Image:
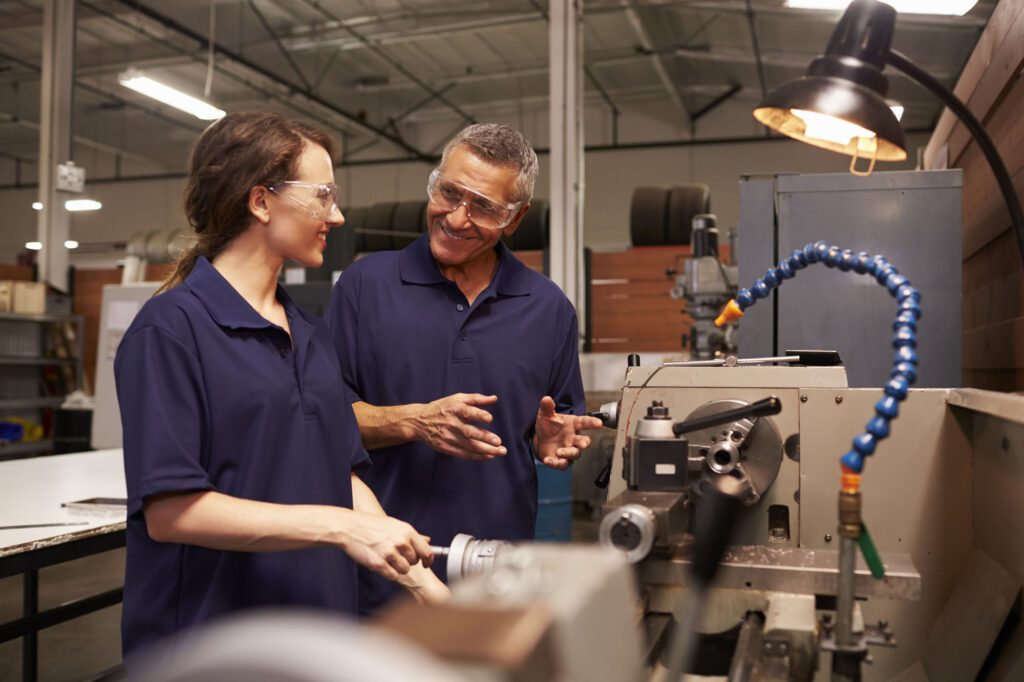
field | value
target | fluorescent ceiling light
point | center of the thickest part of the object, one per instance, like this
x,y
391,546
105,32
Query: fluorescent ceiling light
x,y
82,205
134,80
897,110
37,205
946,7
34,246
71,244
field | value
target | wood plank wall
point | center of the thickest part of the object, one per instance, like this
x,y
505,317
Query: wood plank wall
x,y
993,276
20,273
88,301
631,309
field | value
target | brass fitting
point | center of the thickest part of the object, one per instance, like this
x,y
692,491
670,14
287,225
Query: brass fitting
x,y
849,514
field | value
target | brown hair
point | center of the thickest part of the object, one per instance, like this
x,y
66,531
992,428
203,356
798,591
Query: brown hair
x,y
233,155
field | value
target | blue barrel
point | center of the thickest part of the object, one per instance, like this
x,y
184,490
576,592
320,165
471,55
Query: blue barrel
x,y
554,505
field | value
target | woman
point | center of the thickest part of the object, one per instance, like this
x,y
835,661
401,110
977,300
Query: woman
x,y
240,446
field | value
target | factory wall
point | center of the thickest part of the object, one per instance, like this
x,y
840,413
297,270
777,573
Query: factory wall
x,y
610,176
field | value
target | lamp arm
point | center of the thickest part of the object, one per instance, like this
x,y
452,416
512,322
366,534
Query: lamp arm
x,y
901,62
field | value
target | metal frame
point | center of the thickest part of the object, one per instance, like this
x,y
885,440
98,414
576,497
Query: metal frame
x,y
29,564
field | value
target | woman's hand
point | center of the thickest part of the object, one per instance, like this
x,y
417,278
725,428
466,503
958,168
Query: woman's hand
x,y
383,544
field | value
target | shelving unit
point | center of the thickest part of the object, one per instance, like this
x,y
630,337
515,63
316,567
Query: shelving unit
x,y
28,350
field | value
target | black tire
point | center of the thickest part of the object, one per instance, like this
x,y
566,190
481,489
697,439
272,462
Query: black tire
x,y
532,233
410,216
355,218
378,217
684,202
647,216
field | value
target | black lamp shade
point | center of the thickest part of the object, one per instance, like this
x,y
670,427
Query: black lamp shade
x,y
845,83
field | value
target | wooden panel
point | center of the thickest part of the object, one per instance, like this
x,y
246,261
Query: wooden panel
x,y
532,259
995,379
20,273
158,272
88,287
641,263
646,345
1000,74
999,299
992,305
996,346
1004,18
985,212
631,308
995,261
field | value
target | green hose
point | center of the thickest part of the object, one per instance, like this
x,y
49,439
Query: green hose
x,y
867,548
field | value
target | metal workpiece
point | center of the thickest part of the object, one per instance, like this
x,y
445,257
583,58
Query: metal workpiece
x,y
637,523
470,556
629,529
791,569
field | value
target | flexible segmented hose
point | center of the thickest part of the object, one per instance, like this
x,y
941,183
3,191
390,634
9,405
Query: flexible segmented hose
x,y
904,339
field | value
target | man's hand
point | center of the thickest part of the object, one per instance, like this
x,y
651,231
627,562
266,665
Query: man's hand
x,y
557,439
447,425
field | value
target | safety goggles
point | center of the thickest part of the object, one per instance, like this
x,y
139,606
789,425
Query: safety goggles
x,y
481,210
324,197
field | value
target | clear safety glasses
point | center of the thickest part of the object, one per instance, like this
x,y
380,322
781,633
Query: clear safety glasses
x,y
481,210
323,202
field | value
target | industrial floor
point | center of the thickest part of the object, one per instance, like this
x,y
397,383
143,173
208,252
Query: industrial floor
x,y
87,646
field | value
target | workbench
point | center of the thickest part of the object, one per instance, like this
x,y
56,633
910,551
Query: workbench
x,y
36,532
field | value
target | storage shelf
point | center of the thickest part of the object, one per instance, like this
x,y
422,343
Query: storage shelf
x,y
29,403
12,450
14,360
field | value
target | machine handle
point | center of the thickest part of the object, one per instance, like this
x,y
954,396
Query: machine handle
x,y
715,516
761,408
605,475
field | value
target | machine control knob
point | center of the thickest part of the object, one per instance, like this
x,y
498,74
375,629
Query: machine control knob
x,y
629,529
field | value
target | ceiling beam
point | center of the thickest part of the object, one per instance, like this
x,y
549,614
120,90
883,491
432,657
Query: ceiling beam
x,y
205,43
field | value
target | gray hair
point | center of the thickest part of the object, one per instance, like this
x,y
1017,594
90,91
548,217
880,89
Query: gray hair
x,y
500,145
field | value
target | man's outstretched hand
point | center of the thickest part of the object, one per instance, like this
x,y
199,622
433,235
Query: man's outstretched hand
x,y
557,439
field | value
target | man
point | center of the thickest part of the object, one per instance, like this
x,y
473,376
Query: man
x,y
463,362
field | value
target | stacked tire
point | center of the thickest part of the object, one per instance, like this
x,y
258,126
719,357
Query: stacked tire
x,y
661,216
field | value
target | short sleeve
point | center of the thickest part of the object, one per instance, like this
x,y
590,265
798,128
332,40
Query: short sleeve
x,y
163,406
343,323
566,383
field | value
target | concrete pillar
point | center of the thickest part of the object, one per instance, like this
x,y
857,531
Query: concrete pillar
x,y
55,104
566,143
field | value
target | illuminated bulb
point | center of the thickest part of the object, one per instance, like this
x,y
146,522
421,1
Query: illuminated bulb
x,y
829,128
37,205
33,246
71,244
82,205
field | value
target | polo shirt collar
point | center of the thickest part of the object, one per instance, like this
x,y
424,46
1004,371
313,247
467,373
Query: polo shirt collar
x,y
417,266
226,305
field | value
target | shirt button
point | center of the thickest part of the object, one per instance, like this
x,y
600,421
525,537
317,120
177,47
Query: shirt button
x,y
284,352
462,337
460,307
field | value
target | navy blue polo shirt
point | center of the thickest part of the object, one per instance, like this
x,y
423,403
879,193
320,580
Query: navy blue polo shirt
x,y
405,334
215,397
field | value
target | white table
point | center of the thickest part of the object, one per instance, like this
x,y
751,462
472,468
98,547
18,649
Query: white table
x,y
31,493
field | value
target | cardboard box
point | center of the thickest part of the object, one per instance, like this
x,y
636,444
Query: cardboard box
x,y
29,298
6,295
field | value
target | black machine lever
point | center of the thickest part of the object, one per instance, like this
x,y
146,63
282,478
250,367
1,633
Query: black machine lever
x,y
761,408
